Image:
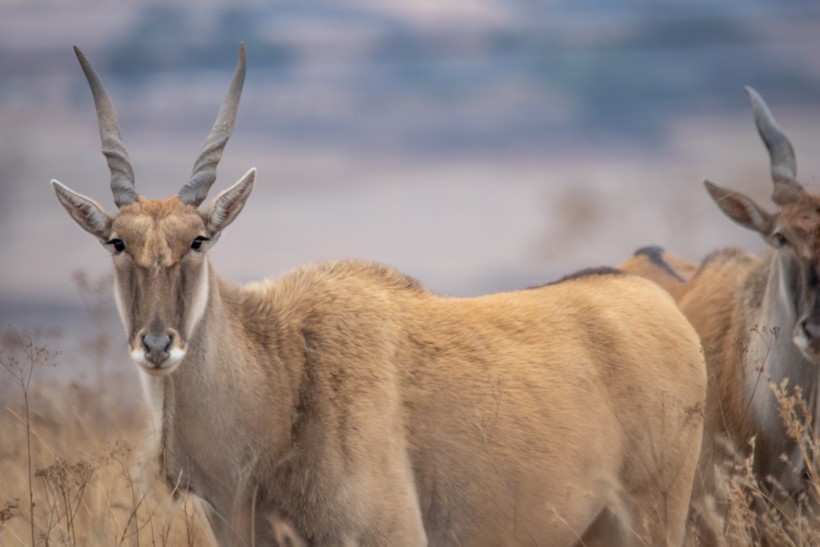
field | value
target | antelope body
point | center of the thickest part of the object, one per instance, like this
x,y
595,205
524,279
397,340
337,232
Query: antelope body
x,y
758,316
345,404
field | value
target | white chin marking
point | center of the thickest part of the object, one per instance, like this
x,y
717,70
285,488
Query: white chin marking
x,y
805,348
170,364
800,341
174,357
138,356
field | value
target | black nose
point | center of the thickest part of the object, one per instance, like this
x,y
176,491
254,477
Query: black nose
x,y
156,347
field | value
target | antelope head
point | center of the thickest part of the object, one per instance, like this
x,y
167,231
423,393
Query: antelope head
x,y
793,231
159,246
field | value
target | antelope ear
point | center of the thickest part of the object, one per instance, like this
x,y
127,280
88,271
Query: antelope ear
x,y
89,214
741,209
226,206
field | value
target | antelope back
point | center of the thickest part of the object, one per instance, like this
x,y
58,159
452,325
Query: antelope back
x,y
669,271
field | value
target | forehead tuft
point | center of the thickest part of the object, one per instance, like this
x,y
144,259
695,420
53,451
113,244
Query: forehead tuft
x,y
158,230
159,210
804,215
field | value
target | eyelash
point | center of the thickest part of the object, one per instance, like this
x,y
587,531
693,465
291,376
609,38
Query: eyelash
x,y
197,243
117,244
779,240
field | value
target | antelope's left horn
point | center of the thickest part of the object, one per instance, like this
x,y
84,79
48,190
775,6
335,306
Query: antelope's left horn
x,y
781,152
204,172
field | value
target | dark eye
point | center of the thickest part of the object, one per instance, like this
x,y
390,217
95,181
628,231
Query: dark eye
x,y
117,244
779,240
197,243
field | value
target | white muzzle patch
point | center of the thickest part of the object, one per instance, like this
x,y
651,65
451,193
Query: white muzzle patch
x,y
175,356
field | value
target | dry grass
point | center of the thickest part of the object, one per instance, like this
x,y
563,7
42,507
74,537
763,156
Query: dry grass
x,y
70,472
758,511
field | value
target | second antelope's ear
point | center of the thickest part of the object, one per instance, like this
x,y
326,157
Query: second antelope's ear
x,y
89,214
227,205
741,209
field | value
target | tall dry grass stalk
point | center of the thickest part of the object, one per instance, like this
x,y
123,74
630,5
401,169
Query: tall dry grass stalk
x,y
89,486
759,511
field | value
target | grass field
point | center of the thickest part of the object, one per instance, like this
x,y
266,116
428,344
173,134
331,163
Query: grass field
x,y
72,471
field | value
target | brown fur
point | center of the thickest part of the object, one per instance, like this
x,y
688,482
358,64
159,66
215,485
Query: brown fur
x,y
714,301
722,301
400,401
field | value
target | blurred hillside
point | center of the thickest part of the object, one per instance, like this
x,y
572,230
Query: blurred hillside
x,y
479,146
432,78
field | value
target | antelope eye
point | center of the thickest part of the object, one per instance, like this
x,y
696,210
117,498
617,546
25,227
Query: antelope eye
x,y
197,243
779,240
117,244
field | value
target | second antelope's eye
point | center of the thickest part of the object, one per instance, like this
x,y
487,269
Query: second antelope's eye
x,y
197,243
117,244
779,240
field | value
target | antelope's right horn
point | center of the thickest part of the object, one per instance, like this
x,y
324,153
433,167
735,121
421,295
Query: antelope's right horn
x,y
122,174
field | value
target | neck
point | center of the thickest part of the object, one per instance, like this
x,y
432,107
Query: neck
x,y
773,318
772,358
214,396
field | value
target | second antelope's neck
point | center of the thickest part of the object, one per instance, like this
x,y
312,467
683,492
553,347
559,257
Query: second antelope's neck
x,y
771,354
771,320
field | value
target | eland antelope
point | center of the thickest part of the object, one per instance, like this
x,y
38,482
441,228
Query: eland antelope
x,y
352,406
758,316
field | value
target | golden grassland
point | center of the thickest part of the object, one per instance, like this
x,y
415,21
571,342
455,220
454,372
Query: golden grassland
x,y
72,471
72,468
757,511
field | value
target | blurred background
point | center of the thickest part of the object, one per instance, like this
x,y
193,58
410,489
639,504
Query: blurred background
x,y
477,145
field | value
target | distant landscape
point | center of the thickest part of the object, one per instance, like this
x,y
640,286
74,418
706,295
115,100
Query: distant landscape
x,y
477,146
